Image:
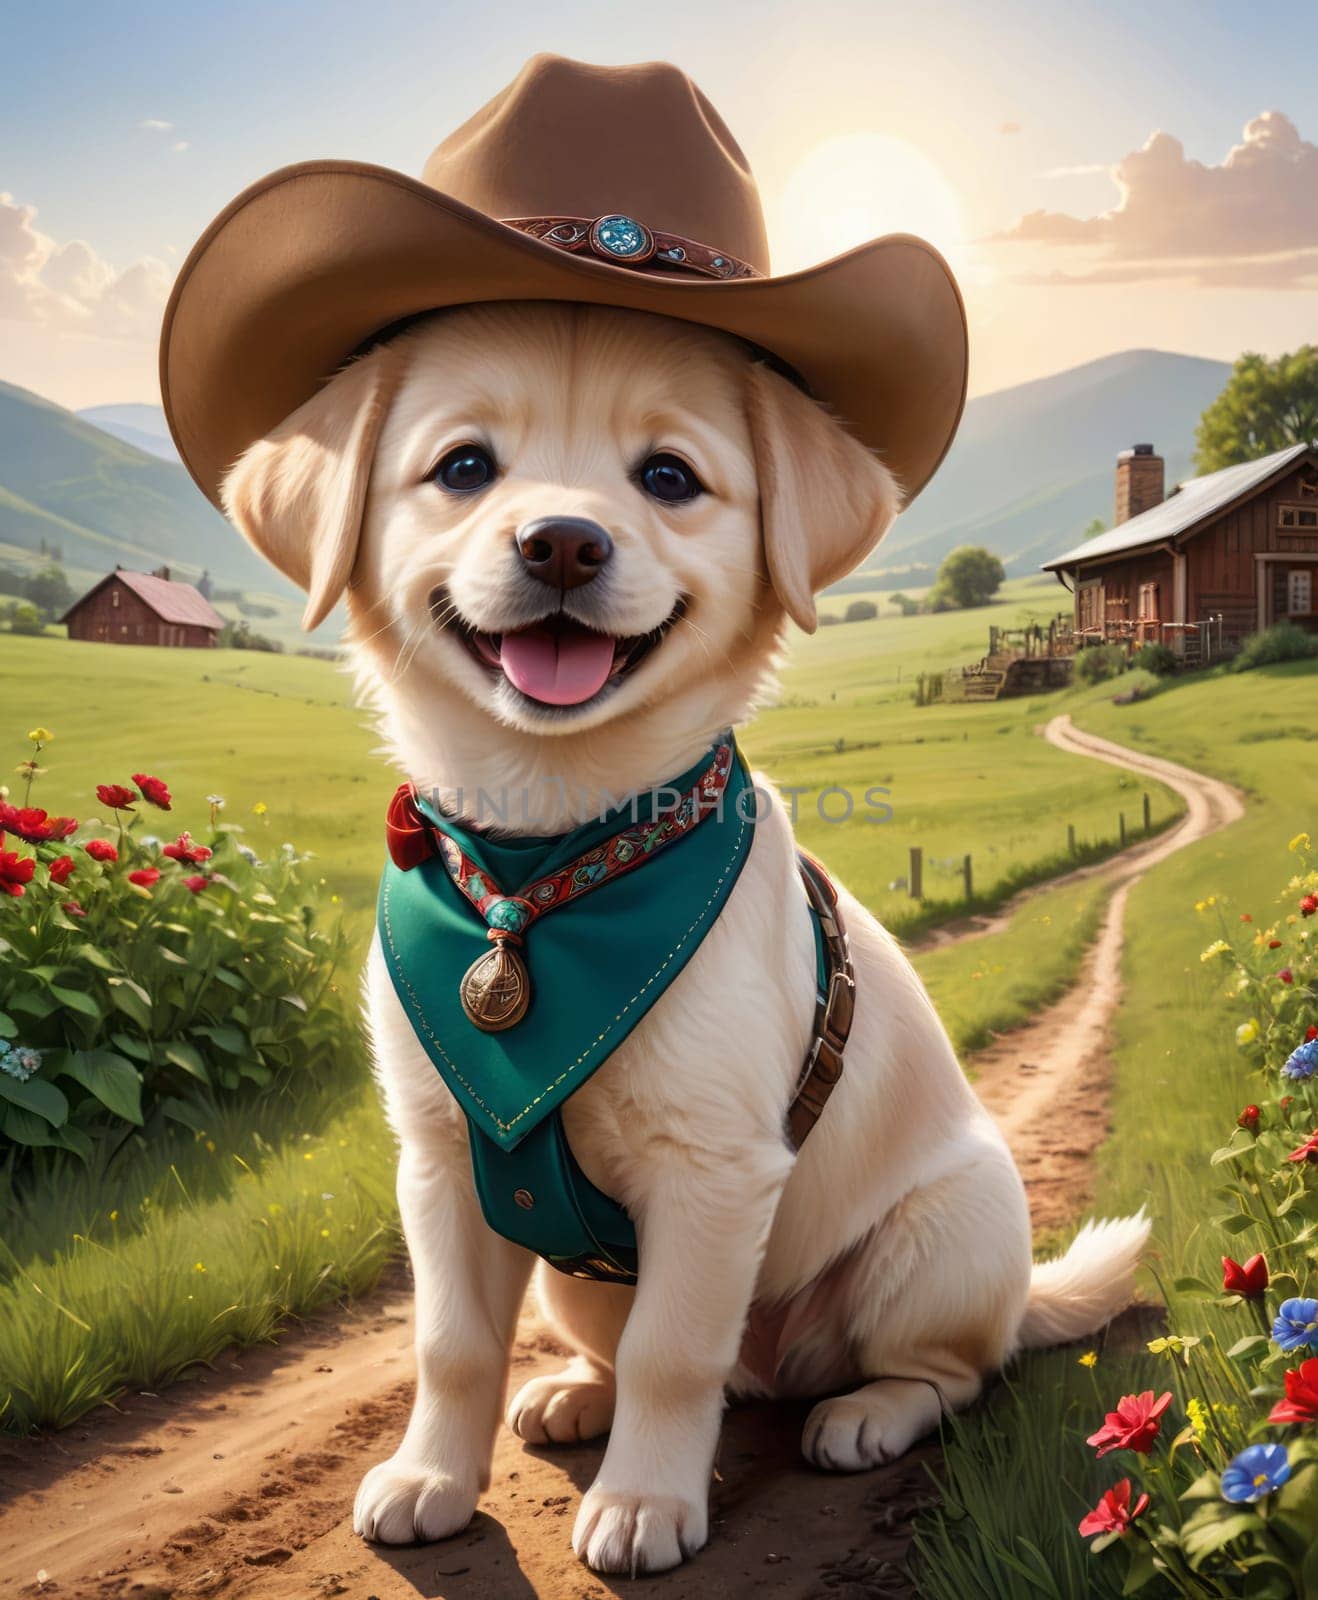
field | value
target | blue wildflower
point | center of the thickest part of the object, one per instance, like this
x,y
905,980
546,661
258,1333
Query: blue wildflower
x,y
1296,1325
1302,1062
19,1061
1258,1470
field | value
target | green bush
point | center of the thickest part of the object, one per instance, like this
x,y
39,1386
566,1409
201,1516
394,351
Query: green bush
x,y
143,981
1283,641
1099,662
861,611
1155,658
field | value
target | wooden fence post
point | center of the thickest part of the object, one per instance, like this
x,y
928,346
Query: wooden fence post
x,y
1121,824
970,881
1070,837
917,872
1148,814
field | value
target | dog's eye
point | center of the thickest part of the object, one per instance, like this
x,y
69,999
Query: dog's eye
x,y
668,478
465,469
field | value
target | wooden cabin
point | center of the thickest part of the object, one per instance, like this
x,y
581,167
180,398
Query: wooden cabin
x,y
1221,557
144,608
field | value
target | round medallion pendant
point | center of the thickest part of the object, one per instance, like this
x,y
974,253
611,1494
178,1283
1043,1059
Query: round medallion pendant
x,y
496,989
621,238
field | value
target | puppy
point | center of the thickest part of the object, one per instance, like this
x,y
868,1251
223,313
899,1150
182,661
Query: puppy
x,y
889,1265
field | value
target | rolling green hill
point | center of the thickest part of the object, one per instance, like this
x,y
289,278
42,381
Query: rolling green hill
x,y
100,501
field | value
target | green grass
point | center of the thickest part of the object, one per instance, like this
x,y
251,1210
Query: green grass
x,y
982,987
1179,1083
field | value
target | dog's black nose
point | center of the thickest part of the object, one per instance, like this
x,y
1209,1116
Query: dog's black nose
x,y
563,552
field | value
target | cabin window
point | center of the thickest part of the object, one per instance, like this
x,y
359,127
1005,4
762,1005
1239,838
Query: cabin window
x,y
114,599
1298,516
1299,592
1148,602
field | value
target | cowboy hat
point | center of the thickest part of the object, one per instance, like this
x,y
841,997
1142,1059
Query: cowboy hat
x,y
614,186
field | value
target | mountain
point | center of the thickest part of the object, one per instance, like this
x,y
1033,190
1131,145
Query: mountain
x,y
142,426
1033,465
99,501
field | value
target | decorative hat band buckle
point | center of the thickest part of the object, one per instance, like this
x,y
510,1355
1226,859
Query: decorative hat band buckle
x,y
622,241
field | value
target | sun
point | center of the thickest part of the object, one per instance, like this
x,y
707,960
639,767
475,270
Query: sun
x,y
859,186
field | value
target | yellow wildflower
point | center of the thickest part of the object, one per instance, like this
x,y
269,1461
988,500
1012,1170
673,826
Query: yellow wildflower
x,y
324,1233
1089,1359
1300,844
1219,947
40,735
1247,1032
198,1266
1194,1410
114,1216
260,808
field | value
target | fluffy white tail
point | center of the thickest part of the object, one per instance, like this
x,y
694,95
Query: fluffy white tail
x,y
1082,1290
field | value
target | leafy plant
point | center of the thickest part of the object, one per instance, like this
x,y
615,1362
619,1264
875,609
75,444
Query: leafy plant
x,y
144,980
1283,641
1099,662
1155,658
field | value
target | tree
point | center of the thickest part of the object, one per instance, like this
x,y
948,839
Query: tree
x,y
1265,406
969,576
905,604
49,591
861,611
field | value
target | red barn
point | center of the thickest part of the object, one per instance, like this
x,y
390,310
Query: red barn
x,y
144,608
1219,558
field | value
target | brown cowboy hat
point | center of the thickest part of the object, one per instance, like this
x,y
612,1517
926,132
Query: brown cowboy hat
x,y
616,186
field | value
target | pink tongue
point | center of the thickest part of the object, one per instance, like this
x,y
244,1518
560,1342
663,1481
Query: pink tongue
x,y
557,668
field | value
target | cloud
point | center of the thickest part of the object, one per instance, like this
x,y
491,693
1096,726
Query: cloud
x,y
1084,170
69,287
155,125
1253,219
181,144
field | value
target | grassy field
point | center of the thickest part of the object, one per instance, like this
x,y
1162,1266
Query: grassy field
x,y
1178,1088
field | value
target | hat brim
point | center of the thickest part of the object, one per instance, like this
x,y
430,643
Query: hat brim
x,y
306,265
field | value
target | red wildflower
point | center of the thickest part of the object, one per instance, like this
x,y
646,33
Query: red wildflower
x,y
1301,1402
153,790
1249,1281
1133,1425
116,796
145,876
1274,944
197,883
1245,917
33,824
74,909
1309,905
1286,1101
1286,975
15,872
183,849
1308,1151
1114,1512
101,850
1249,1118
1311,1032
59,870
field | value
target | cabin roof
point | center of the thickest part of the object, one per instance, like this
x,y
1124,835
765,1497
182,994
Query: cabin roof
x,y
170,600
1192,502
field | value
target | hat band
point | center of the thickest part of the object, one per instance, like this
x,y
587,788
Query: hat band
x,y
622,241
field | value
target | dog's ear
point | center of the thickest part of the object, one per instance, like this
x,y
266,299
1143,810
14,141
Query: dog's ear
x,y
825,500
299,493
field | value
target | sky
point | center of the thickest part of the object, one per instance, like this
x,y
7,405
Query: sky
x,y
1101,176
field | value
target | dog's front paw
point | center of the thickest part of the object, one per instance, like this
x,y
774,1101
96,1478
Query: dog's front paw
x,y
403,1502
636,1533
871,1427
563,1408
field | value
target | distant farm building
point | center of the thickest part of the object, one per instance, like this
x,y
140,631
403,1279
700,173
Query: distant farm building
x,y
1219,558
144,608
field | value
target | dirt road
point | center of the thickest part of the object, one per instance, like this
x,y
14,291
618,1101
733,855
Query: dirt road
x,y
238,1482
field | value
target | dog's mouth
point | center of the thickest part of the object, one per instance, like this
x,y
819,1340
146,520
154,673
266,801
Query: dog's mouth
x,y
556,661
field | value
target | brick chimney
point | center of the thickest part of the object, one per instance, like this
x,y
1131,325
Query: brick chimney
x,y
1140,484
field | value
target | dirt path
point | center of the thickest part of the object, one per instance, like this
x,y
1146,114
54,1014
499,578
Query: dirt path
x,y
237,1483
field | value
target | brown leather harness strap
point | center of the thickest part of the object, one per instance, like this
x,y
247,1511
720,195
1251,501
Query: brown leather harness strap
x,y
833,1014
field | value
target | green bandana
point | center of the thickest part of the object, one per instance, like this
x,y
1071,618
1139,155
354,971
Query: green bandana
x,y
597,963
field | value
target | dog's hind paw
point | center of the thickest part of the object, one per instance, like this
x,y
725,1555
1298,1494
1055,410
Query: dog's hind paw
x,y
564,1407
636,1533
871,1427
402,1502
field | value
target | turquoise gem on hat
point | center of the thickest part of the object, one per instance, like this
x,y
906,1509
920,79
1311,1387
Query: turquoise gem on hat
x,y
621,236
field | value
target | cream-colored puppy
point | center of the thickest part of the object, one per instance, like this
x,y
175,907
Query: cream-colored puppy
x,y
892,1258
